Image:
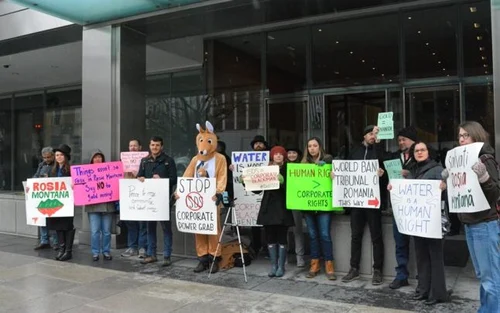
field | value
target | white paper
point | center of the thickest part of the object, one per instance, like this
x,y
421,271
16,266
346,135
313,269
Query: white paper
x,y
261,178
145,201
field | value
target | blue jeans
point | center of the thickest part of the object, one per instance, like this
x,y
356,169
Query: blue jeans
x,y
167,238
402,252
318,226
100,223
137,234
44,236
483,240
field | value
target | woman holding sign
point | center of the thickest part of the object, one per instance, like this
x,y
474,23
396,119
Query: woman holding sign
x,y
318,223
482,229
428,251
62,225
275,218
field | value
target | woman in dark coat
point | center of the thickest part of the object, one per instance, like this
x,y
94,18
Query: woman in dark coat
x,y
62,225
275,218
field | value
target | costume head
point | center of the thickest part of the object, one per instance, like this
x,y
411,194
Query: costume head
x,y
206,142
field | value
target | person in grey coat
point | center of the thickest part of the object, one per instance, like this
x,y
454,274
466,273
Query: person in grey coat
x,y
100,220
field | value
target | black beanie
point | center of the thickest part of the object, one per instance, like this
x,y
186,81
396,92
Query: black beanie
x,y
409,132
368,129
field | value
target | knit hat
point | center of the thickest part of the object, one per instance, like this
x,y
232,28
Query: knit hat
x,y
277,149
368,129
409,132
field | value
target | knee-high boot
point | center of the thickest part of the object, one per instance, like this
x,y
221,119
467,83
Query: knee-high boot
x,y
62,244
281,261
69,238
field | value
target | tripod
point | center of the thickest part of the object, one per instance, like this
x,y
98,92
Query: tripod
x,y
234,223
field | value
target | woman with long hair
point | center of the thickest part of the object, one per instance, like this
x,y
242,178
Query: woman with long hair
x,y
482,229
318,222
63,226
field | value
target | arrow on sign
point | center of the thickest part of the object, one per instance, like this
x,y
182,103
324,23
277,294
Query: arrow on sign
x,y
35,219
373,202
316,184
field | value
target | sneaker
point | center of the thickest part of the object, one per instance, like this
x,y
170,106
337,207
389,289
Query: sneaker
x,y
142,253
107,257
300,261
129,252
398,283
377,278
149,259
352,275
166,262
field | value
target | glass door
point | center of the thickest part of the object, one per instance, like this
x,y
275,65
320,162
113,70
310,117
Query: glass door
x,y
435,113
287,122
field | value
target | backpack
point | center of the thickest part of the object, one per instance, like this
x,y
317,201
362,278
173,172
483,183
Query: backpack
x,y
484,158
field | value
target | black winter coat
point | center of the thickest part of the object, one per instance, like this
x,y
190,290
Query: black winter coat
x,y
273,206
60,223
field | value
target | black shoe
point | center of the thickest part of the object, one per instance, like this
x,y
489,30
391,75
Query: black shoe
x,y
215,267
200,267
166,262
433,302
398,283
352,275
377,278
68,255
55,247
107,257
95,258
419,297
60,253
42,246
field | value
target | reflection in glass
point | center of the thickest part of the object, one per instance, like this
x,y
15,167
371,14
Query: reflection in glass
x,y
477,45
286,121
356,52
479,107
430,43
5,144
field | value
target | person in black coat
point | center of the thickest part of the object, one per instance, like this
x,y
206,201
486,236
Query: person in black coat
x,y
62,225
221,148
275,218
295,156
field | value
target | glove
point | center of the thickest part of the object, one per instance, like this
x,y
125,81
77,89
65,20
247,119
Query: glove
x,y
281,179
445,174
320,163
480,169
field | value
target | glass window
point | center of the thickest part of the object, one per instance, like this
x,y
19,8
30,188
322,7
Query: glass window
x,y
477,45
286,60
341,57
5,144
430,42
479,107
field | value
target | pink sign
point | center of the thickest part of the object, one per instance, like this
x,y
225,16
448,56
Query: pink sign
x,y
96,183
132,160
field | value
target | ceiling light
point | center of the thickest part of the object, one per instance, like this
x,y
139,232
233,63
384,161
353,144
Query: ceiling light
x,y
270,37
483,58
481,48
320,30
409,17
390,80
439,62
433,53
479,37
337,42
419,32
473,9
363,61
337,73
486,72
290,48
382,74
426,43
373,68
485,65
351,52
444,69
477,25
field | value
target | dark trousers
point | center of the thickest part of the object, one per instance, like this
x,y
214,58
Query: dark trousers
x,y
430,267
276,234
359,218
257,234
402,252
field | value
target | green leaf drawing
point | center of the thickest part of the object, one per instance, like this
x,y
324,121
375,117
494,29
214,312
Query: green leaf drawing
x,y
49,204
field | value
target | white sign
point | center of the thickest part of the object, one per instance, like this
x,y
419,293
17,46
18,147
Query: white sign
x,y
261,178
416,205
195,210
48,197
132,160
464,191
356,184
144,201
247,203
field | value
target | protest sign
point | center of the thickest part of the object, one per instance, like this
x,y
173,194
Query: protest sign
x,y
416,205
132,160
195,210
144,201
309,187
464,191
261,178
48,197
247,203
385,124
96,183
393,168
356,184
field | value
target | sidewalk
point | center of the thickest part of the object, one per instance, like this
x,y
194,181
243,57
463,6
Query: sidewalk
x,y
31,281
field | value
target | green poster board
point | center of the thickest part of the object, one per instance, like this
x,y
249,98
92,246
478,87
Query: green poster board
x,y
393,168
386,125
309,187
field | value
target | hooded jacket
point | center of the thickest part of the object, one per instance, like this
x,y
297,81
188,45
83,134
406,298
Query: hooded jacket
x,y
107,207
491,190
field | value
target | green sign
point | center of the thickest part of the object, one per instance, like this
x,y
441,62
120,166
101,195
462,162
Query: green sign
x,y
309,187
386,125
393,168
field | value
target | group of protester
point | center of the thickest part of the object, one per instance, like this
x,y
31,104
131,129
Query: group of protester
x,y
418,161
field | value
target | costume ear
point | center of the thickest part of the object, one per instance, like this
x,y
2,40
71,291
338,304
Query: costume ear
x,y
198,127
209,126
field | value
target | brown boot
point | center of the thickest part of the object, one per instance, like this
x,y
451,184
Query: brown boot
x,y
330,271
314,270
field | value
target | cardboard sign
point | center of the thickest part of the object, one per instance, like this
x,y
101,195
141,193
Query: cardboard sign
x,y
247,203
309,187
416,205
464,190
144,201
96,183
385,124
261,178
356,184
132,160
393,169
48,197
195,211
